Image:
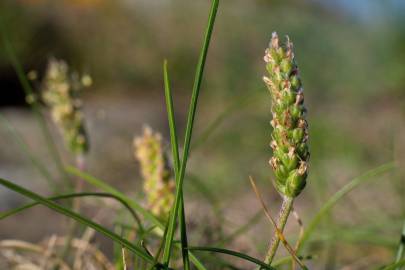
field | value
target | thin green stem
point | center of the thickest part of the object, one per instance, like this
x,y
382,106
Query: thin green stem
x,y
189,129
176,161
285,210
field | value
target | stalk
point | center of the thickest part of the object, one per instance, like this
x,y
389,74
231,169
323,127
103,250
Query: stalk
x,y
285,210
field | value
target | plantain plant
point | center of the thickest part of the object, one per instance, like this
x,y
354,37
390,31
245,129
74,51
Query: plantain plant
x,y
290,129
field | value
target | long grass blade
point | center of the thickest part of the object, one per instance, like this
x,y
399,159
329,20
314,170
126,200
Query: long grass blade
x,y
74,195
98,183
85,221
176,161
189,130
235,254
339,195
107,188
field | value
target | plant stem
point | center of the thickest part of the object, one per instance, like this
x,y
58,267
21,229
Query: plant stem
x,y
281,222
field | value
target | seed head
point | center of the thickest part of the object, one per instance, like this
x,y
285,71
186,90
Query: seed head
x,y
61,92
290,129
159,184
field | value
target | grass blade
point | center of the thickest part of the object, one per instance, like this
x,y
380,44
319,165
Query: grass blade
x,y
85,221
235,254
107,188
189,129
147,215
74,195
340,194
176,161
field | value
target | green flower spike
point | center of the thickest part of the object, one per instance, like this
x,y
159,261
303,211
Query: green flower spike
x,y
290,129
61,92
159,184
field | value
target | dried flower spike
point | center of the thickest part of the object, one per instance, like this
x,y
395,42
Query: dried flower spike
x,y
159,184
61,92
290,129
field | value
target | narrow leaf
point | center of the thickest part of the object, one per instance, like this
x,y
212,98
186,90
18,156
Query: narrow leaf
x,y
189,130
83,220
235,254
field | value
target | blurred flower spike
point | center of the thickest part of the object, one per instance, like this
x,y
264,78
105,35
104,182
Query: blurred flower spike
x,y
159,184
61,92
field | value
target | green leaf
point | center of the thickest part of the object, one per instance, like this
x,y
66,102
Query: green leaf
x,y
83,220
147,215
74,195
235,254
176,161
189,130
107,188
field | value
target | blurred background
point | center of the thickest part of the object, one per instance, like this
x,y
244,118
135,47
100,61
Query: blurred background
x,y
351,56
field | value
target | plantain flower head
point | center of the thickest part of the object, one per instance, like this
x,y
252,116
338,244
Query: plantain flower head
x,y
158,184
290,129
61,92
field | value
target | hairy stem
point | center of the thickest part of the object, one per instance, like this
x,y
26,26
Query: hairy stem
x,y
285,210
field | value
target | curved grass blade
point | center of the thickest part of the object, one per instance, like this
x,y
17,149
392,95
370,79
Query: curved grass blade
x,y
189,130
176,161
235,254
75,195
107,188
64,211
340,194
